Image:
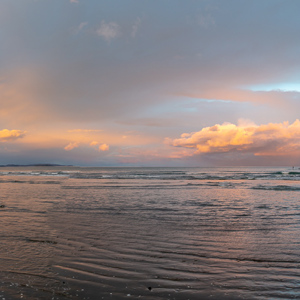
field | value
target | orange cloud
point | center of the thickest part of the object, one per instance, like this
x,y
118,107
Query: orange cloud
x,y
11,135
268,139
85,130
93,143
104,147
71,146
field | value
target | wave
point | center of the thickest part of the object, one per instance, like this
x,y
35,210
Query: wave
x,y
276,188
162,176
36,173
31,181
130,187
294,173
188,174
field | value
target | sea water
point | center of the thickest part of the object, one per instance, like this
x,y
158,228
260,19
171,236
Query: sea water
x,y
149,233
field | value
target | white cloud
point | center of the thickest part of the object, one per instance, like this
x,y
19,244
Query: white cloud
x,y
135,27
74,1
109,30
205,20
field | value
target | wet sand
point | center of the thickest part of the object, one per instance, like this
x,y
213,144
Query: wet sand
x,y
79,289
149,234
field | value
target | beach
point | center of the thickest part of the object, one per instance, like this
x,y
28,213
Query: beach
x,y
149,233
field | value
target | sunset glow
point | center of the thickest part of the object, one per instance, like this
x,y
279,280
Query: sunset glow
x,y
269,139
155,84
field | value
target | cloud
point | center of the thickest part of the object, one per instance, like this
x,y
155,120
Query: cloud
x,y
81,25
135,27
104,147
109,30
11,135
94,143
71,146
275,98
271,139
71,80
205,20
85,130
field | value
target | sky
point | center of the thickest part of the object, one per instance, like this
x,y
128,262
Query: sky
x,y
150,83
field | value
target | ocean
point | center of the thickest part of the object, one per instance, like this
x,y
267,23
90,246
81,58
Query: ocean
x,y
149,233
